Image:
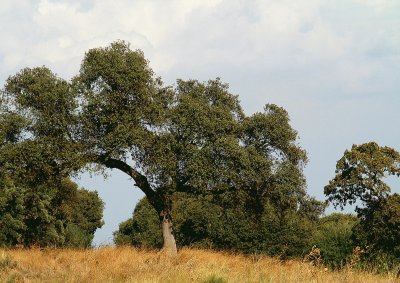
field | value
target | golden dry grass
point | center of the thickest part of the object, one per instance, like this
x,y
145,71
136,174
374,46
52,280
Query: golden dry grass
x,y
124,264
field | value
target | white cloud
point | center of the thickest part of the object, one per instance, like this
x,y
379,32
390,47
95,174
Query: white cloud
x,y
269,35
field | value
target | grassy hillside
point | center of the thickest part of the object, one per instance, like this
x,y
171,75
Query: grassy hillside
x,y
110,264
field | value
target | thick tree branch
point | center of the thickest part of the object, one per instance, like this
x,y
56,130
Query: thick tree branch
x,y
140,180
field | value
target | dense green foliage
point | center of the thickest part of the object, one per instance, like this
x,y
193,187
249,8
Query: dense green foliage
x,y
360,173
334,237
48,215
359,177
237,225
192,138
199,222
38,204
143,230
379,233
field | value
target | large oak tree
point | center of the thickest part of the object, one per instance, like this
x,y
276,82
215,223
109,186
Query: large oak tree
x,y
192,138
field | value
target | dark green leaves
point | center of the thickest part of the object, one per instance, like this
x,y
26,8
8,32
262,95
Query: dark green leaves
x,y
359,177
48,215
44,99
191,138
359,174
120,98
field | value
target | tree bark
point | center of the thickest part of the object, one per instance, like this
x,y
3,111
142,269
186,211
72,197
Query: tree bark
x,y
140,180
155,200
169,246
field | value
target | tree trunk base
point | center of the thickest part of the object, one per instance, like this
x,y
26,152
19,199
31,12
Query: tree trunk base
x,y
169,247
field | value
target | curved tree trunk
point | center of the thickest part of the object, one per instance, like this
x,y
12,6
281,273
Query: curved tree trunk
x,y
155,200
169,246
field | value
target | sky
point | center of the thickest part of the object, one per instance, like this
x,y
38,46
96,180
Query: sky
x,y
333,65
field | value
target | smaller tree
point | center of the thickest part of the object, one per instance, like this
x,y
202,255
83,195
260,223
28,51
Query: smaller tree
x,y
360,173
48,215
359,176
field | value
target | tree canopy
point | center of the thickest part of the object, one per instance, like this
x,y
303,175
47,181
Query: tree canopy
x,y
360,173
115,113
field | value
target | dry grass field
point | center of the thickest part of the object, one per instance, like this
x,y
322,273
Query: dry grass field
x,y
110,264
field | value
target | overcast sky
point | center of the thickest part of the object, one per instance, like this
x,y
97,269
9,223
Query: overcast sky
x,y
334,65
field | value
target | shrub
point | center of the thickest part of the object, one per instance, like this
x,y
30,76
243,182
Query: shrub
x,y
334,238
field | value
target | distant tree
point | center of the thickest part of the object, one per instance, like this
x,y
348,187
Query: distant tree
x,y
360,173
193,138
359,177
